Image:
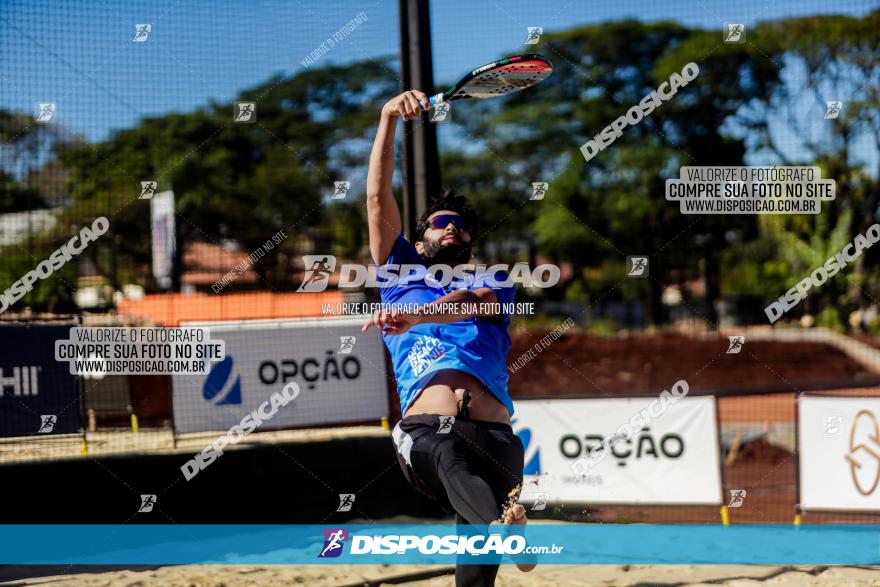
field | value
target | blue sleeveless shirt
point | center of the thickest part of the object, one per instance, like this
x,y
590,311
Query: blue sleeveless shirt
x,y
477,346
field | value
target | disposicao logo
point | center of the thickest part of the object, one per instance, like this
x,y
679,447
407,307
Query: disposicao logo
x,y
533,453
334,540
219,386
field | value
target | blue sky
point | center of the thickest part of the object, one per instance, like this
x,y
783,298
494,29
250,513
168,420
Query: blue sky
x,y
81,55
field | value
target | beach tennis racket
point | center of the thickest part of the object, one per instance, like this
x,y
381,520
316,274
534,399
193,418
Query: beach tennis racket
x,y
509,75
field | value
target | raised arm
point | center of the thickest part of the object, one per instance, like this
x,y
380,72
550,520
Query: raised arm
x,y
383,215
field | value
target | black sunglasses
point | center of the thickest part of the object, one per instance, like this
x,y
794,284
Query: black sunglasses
x,y
443,220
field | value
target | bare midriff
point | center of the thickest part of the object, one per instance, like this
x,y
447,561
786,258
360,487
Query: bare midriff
x,y
444,391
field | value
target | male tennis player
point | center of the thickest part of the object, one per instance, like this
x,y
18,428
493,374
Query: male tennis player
x,y
454,443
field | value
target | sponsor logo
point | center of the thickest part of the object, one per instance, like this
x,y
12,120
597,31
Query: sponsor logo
x,y
864,452
340,189
311,369
318,269
442,112
534,35
334,541
45,112
737,497
23,381
540,501
148,190
245,112
637,267
735,33
471,544
220,387
141,33
736,344
425,351
346,500
346,345
476,72
833,424
532,461
833,108
620,443
47,423
500,543
446,423
147,503
539,190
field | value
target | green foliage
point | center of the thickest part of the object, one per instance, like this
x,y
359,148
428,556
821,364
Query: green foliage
x,y
15,197
576,291
604,328
830,317
237,182
54,294
244,182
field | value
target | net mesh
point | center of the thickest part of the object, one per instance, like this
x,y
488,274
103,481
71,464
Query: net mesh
x,y
223,143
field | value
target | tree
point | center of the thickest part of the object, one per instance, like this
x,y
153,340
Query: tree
x,y
826,59
613,206
233,182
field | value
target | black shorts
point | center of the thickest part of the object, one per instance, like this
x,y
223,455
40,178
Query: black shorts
x,y
492,451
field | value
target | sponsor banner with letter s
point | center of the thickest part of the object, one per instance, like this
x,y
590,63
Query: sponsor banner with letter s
x,y
839,444
673,460
340,372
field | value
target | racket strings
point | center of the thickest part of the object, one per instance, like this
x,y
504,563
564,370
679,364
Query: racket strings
x,y
504,79
512,80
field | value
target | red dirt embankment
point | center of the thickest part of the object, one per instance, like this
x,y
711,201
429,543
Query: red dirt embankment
x,y
576,364
580,365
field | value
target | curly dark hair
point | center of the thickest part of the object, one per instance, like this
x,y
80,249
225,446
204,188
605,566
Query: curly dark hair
x,y
451,201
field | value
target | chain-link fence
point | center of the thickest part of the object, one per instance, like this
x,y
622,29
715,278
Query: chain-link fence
x,y
179,165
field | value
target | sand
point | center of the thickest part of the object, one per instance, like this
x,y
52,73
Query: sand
x,y
161,441
545,576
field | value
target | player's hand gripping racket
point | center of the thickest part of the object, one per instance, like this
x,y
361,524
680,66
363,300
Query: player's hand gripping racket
x,y
500,78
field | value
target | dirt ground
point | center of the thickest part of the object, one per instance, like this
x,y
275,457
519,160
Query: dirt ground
x,y
581,365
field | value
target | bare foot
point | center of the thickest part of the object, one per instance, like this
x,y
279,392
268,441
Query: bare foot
x,y
515,515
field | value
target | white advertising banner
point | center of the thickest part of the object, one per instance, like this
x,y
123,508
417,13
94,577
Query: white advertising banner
x,y
672,460
839,444
163,236
339,369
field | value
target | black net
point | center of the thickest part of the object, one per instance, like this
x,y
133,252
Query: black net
x,y
189,164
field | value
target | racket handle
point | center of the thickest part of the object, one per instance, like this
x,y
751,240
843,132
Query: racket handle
x,y
434,99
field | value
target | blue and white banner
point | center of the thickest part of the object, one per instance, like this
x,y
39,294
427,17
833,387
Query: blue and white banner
x,y
673,459
177,544
340,372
